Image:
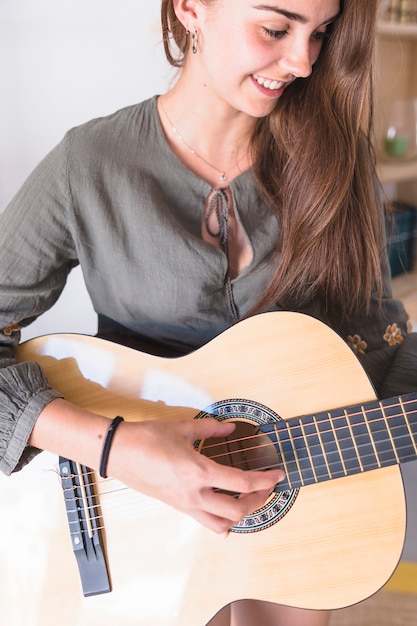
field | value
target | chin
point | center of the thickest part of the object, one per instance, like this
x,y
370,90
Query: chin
x,y
261,110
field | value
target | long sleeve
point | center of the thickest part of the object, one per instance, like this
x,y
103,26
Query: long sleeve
x,y
24,392
34,263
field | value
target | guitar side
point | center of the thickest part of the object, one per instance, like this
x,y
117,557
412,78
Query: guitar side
x,y
338,543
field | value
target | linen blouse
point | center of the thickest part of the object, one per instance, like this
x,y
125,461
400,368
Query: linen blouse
x,y
114,198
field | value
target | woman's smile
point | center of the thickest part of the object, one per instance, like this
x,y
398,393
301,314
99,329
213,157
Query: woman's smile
x,y
270,87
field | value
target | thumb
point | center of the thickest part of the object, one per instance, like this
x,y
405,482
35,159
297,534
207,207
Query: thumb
x,y
210,427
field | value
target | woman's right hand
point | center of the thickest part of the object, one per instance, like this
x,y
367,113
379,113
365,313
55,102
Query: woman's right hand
x,y
159,459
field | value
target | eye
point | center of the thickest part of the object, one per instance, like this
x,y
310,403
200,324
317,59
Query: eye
x,y
274,34
321,35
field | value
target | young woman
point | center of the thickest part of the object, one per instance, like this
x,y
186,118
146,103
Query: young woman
x,y
249,186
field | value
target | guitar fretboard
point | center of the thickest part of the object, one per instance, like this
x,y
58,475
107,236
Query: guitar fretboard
x,y
338,443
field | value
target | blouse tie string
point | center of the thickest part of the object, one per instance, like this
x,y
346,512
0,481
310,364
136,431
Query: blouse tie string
x,y
219,205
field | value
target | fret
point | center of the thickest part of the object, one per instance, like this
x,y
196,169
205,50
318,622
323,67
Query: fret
x,y
389,430
276,433
322,447
344,437
313,470
375,451
342,461
379,433
354,440
401,419
410,415
365,444
303,452
411,402
295,453
286,456
333,456
316,450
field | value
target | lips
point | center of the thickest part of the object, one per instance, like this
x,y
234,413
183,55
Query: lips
x,y
268,83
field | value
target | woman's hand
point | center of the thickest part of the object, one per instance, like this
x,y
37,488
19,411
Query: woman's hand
x,y
159,460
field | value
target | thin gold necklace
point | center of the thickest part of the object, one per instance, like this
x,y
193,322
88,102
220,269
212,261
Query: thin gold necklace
x,y
222,173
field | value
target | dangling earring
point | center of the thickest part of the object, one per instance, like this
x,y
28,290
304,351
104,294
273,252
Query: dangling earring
x,y
194,38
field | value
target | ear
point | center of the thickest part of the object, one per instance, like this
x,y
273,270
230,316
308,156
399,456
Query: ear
x,y
187,12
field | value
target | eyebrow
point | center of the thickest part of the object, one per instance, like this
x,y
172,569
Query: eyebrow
x,y
295,17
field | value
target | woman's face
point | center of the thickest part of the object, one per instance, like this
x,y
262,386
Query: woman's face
x,y
250,50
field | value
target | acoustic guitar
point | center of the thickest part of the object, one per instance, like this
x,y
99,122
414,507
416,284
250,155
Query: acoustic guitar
x,y
76,549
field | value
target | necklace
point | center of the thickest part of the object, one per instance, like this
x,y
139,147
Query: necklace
x,y
222,173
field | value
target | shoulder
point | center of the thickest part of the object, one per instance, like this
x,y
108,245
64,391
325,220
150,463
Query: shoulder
x,y
121,132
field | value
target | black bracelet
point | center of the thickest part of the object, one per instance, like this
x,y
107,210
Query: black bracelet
x,y
107,443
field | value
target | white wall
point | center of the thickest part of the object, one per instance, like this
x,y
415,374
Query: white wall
x,y
63,62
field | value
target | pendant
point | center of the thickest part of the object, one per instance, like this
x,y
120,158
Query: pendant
x,y
223,177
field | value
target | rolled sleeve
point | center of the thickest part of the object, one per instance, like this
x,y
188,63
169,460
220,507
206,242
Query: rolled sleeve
x,y
24,392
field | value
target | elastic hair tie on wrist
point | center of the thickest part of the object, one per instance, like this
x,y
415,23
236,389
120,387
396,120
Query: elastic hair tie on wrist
x,y
107,444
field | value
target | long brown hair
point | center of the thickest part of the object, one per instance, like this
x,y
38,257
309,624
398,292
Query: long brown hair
x,y
314,164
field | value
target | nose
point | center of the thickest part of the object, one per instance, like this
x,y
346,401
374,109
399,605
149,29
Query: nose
x,y
297,60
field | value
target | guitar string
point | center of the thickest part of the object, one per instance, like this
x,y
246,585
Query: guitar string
x,y
318,467
308,436
123,488
94,510
370,453
363,412
95,515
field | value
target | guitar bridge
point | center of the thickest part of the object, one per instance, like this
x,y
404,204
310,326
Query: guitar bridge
x,y
83,515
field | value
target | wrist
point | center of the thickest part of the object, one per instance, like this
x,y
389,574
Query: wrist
x,y
70,431
108,440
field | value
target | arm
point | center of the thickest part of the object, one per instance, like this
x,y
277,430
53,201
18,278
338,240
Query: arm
x,y
24,392
159,460
35,258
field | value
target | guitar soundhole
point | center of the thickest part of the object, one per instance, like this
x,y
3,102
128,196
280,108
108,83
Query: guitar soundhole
x,y
246,448
250,449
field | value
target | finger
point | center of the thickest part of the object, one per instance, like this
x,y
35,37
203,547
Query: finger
x,y
210,427
219,522
239,481
231,508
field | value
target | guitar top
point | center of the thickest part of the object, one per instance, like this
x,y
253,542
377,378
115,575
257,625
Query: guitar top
x,y
325,539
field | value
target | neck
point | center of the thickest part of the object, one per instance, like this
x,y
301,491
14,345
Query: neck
x,y
213,141
317,448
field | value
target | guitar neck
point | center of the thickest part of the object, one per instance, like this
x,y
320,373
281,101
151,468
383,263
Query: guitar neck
x,y
342,442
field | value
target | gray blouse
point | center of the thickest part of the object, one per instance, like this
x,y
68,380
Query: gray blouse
x,y
114,198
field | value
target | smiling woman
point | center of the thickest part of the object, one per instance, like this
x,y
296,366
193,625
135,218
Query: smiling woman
x,y
329,105
248,187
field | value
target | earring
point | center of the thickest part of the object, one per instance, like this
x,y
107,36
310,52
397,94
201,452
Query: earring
x,y
194,38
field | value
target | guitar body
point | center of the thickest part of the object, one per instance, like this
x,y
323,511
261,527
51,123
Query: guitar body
x,y
337,544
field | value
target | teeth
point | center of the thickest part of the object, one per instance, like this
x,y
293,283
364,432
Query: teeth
x,y
267,83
